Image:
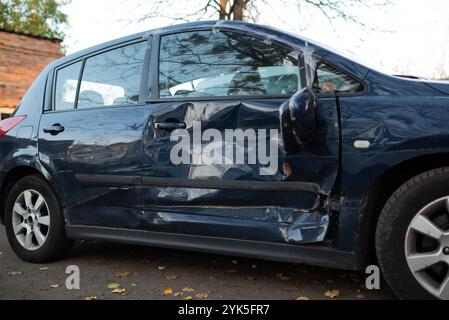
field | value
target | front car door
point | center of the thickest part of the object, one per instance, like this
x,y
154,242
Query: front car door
x,y
213,157
93,128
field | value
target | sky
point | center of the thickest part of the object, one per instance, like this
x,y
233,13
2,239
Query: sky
x,y
408,37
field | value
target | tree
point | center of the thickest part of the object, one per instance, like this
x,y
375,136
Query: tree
x,y
42,18
248,9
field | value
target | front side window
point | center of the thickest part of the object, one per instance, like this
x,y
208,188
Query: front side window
x,y
66,85
208,64
332,80
113,77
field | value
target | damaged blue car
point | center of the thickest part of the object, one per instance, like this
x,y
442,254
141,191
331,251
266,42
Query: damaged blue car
x,y
236,139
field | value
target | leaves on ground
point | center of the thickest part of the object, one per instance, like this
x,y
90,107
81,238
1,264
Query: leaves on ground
x,y
171,277
188,298
54,286
161,268
332,294
178,294
281,276
90,298
113,285
15,273
235,262
254,266
167,292
302,298
122,274
187,289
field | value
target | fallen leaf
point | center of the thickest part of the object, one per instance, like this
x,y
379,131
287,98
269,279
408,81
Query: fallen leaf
x,y
90,298
187,289
122,274
179,294
119,291
133,285
171,277
1,253
188,298
43,269
54,286
15,273
282,277
235,262
162,268
303,298
332,293
113,285
254,266
231,271
202,295
168,292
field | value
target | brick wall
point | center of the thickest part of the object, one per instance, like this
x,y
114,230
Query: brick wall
x,y
22,58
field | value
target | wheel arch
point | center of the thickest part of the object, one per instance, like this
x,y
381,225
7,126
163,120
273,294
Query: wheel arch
x,y
10,179
381,190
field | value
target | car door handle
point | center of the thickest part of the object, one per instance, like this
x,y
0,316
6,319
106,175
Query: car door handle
x,y
54,129
170,125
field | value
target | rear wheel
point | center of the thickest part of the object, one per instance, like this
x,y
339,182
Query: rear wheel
x,y
34,221
412,237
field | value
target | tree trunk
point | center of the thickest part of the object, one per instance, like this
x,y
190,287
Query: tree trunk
x,y
223,7
239,10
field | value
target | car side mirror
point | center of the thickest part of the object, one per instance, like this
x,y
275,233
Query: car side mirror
x,y
298,117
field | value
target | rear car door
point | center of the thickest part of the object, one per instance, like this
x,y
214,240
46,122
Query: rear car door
x,y
213,160
93,127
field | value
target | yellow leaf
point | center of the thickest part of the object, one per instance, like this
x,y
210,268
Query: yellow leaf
x,y
179,294
332,293
282,277
90,298
54,286
171,277
162,268
15,273
43,269
118,291
168,291
113,285
303,298
122,274
187,289
202,295
188,298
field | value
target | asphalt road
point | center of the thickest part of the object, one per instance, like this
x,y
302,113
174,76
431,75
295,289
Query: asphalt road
x,y
145,273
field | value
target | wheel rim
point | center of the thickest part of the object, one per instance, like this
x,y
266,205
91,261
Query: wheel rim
x,y
427,248
31,220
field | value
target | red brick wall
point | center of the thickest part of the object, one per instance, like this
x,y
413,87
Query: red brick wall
x,y
22,58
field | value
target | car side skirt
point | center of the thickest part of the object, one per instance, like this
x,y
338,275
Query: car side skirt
x,y
317,255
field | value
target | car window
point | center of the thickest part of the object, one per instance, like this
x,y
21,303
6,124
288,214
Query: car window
x,y
66,85
113,77
204,63
332,80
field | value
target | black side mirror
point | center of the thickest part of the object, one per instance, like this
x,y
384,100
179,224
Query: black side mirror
x,y
298,118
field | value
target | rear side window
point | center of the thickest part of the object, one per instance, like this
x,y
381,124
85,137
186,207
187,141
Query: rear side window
x,y
331,80
205,64
113,77
66,86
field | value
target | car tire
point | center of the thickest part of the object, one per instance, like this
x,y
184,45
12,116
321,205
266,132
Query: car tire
x,y
35,222
403,238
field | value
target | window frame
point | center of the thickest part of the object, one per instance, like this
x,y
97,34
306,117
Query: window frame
x,y
154,96
49,106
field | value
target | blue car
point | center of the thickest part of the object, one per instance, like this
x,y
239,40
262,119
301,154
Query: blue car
x,y
236,139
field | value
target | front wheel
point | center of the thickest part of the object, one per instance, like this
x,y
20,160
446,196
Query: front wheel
x,y
34,221
412,237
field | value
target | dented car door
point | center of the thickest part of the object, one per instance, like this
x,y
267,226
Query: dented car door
x,y
214,160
